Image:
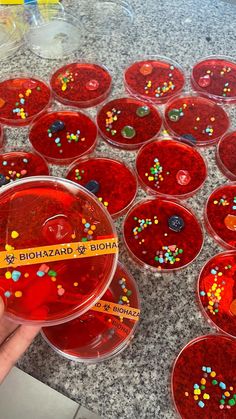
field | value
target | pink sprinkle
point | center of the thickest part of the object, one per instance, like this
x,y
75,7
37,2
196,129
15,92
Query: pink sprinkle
x,y
172,247
44,268
23,172
61,291
221,406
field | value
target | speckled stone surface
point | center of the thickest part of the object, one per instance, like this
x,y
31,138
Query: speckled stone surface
x,y
136,384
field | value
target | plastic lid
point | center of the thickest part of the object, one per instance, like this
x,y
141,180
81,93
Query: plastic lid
x,y
22,98
203,378
10,33
196,119
128,123
104,331
58,250
217,291
81,84
158,233
215,77
154,79
220,215
19,164
170,167
106,178
226,155
63,136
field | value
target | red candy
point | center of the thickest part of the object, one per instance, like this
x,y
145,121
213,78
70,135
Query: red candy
x,y
121,115
226,155
81,84
78,136
153,239
196,118
220,215
154,80
203,378
170,167
96,335
215,77
117,183
217,291
22,99
50,212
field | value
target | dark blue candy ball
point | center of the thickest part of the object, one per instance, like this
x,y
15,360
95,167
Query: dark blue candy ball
x,y
176,223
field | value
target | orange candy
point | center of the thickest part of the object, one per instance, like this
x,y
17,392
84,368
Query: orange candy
x,y
230,222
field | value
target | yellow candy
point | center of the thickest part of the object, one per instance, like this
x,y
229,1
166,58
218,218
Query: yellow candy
x,y
8,275
64,87
8,247
213,374
206,396
14,234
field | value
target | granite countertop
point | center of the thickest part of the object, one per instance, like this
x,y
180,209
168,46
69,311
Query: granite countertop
x,y
136,384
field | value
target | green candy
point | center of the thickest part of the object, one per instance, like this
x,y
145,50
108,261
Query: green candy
x,y
222,401
174,115
214,382
128,132
129,292
231,402
143,111
52,273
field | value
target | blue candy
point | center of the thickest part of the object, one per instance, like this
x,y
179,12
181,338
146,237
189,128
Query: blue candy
x,y
16,275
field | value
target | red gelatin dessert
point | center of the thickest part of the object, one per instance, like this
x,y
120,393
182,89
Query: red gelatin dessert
x,y
22,99
217,291
58,250
204,380
226,155
220,215
106,179
19,164
215,77
169,167
81,84
154,80
63,136
172,225
128,123
196,119
98,334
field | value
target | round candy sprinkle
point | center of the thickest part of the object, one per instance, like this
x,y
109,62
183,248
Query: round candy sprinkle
x,y
176,223
92,85
128,132
174,115
183,177
204,81
143,111
92,186
146,69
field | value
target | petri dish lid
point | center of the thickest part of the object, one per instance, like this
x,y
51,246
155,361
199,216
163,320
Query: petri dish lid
x,y
11,37
58,250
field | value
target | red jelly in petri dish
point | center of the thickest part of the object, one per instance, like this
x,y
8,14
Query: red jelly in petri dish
x,y
154,79
113,183
81,84
22,99
128,123
63,136
217,291
196,119
170,167
226,155
99,335
19,164
58,250
204,380
220,215
215,77
158,232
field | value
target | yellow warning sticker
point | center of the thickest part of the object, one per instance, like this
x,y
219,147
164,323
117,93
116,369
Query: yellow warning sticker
x,y
117,310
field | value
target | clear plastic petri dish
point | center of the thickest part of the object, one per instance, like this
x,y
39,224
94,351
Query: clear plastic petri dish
x,y
220,215
154,79
22,98
81,84
217,292
106,330
58,250
106,177
11,37
170,167
16,165
64,135
203,380
226,155
52,33
157,233
196,118
215,77
128,123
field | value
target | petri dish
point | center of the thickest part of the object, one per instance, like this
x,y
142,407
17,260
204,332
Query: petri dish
x,y
226,155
